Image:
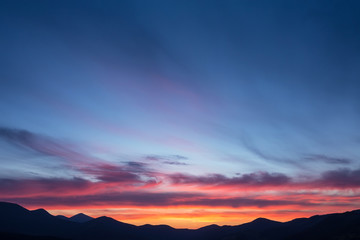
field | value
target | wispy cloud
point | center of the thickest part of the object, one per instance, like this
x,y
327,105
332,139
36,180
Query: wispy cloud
x,y
32,142
141,183
327,159
168,159
250,146
74,159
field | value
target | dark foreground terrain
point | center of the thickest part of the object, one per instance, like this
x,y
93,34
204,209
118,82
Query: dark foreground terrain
x,y
17,222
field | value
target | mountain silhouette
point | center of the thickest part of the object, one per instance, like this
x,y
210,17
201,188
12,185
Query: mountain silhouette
x,y
80,218
62,217
17,222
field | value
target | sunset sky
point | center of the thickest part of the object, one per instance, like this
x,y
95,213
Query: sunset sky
x,y
186,113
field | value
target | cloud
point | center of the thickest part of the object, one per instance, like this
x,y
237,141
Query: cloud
x,y
248,144
179,157
252,179
111,173
165,157
91,167
340,178
247,202
337,179
47,146
44,186
168,159
327,159
175,163
108,192
251,147
124,199
132,183
32,142
137,165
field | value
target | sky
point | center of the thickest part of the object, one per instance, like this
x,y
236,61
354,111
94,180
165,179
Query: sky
x,y
186,113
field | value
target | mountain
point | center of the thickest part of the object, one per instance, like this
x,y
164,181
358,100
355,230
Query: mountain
x,y
14,236
80,218
16,219
17,222
62,217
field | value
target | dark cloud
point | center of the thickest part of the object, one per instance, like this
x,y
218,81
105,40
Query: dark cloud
x,y
154,199
138,165
341,178
81,192
247,202
46,186
113,198
112,173
252,179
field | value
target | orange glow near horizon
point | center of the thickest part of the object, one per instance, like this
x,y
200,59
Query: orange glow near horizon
x,y
186,201
192,209
195,217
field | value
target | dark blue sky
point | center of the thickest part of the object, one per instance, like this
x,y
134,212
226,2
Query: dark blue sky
x,y
203,87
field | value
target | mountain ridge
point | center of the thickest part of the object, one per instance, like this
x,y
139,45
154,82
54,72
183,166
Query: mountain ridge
x,y
16,220
80,218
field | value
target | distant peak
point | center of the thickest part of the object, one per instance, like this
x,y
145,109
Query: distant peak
x,y
160,226
264,220
213,225
210,226
7,207
105,218
8,204
80,214
40,211
80,218
62,217
260,220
